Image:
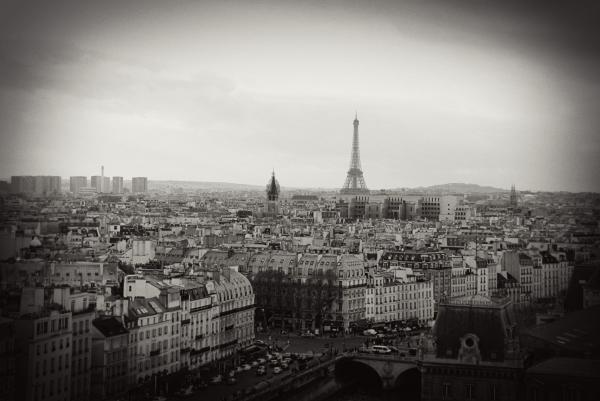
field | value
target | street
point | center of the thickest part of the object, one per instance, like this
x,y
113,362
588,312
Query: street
x,y
287,343
319,344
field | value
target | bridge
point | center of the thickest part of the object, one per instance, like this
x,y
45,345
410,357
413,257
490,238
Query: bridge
x,y
386,370
334,372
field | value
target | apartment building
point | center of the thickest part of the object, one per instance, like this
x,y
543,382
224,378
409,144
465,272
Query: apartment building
x,y
110,359
43,344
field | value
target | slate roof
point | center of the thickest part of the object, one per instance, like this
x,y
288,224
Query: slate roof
x,y
577,332
485,317
109,326
575,367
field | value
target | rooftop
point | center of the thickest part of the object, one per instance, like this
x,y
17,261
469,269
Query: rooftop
x,y
576,367
109,326
578,332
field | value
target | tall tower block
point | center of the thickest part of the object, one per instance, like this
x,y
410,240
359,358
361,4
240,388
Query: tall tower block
x,y
355,182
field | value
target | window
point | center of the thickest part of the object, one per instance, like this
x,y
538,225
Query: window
x,y
446,391
469,391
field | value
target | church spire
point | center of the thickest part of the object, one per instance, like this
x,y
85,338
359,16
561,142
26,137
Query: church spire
x,y
273,188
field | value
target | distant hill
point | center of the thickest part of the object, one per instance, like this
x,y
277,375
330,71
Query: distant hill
x,y
229,186
203,185
455,187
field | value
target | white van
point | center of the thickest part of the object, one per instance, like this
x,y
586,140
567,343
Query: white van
x,y
380,349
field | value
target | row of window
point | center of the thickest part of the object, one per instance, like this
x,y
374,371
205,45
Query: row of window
x,y
51,367
157,319
52,326
469,392
52,348
54,387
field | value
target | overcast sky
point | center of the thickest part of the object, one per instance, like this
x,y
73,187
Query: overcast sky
x,y
448,91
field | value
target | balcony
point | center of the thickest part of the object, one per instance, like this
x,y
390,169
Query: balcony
x,y
199,336
155,352
236,310
185,321
199,351
200,308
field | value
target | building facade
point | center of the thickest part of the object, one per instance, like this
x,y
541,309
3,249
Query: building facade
x,y
473,352
110,358
139,185
43,344
117,185
76,183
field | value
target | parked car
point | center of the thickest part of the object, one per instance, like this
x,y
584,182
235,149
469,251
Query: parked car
x,y
276,370
284,366
261,370
231,380
370,332
308,334
246,367
261,361
216,379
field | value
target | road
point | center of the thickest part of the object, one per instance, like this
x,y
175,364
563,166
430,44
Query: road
x,y
293,344
245,379
288,343
320,344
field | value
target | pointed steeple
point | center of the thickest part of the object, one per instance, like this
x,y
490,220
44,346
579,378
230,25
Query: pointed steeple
x,y
273,188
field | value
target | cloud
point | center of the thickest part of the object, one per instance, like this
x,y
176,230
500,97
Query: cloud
x,y
446,91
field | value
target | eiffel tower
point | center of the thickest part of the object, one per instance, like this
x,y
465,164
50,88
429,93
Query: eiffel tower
x,y
355,182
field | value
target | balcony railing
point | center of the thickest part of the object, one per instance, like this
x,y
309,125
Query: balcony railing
x,y
200,308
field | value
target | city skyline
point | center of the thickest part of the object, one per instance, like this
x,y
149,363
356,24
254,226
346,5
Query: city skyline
x,y
446,92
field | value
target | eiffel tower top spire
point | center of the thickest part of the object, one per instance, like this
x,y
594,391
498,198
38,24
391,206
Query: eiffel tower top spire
x,y
355,182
